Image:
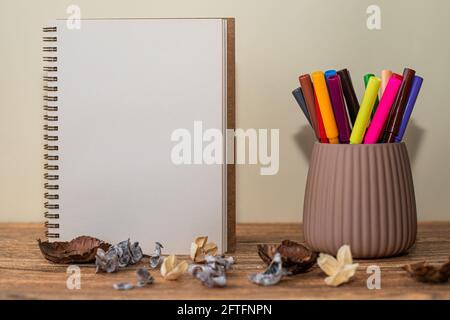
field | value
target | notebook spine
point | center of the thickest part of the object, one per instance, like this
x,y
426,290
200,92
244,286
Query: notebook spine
x,y
51,156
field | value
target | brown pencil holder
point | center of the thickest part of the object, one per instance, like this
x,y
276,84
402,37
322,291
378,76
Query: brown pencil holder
x,y
361,195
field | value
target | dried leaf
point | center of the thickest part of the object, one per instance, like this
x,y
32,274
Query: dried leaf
x,y
425,272
339,270
200,248
272,275
143,277
155,258
123,286
296,257
80,250
172,269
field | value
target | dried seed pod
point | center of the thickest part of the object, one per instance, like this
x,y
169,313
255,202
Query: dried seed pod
x,y
425,272
106,261
155,258
143,277
172,269
200,248
272,275
79,250
123,286
296,257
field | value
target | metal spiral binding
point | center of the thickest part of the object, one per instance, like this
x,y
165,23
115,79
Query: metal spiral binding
x,y
51,131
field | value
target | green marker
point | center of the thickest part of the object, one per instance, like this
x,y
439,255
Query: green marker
x,y
366,81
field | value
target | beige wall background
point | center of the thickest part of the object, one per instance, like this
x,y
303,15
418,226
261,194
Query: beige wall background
x,y
275,42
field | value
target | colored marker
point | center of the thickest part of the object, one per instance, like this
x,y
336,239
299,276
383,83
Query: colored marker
x,y
323,135
398,107
308,94
337,101
329,73
326,110
298,95
349,94
415,88
362,120
379,119
385,75
366,80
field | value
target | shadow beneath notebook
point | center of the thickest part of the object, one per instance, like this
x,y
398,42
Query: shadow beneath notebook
x,y
413,138
305,139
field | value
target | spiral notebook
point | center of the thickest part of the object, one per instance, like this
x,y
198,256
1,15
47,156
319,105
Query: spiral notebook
x,y
115,93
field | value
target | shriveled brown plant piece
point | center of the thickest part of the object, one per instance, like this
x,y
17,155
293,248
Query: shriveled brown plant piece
x,y
425,272
296,257
79,250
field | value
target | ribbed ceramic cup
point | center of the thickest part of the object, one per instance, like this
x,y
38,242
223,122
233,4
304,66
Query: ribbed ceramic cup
x,y
361,195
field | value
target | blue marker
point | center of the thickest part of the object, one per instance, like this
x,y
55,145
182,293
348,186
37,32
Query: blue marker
x,y
329,73
415,88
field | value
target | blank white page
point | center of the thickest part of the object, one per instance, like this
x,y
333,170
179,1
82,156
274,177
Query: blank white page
x,y
123,87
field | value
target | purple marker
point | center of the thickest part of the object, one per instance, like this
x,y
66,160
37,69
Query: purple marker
x,y
337,101
415,88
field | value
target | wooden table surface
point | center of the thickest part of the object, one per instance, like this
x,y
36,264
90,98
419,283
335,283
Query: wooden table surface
x,y
25,274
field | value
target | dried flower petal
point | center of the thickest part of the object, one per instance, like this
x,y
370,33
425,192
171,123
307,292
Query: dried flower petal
x,y
171,269
127,252
219,263
328,264
343,276
425,272
339,270
106,261
200,248
155,258
79,250
210,279
296,257
123,286
143,277
136,253
212,273
272,275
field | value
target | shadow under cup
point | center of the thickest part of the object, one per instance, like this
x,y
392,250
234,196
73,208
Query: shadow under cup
x,y
361,195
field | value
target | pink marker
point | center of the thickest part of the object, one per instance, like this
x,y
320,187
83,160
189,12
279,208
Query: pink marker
x,y
379,119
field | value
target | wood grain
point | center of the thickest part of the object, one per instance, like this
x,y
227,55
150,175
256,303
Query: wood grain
x,y
25,274
231,124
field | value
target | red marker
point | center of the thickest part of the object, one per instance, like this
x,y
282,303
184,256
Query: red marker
x,y
322,133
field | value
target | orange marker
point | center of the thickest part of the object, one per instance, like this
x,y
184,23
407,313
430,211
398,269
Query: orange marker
x,y
326,110
385,76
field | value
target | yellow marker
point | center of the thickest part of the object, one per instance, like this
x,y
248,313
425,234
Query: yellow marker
x,y
326,110
363,117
